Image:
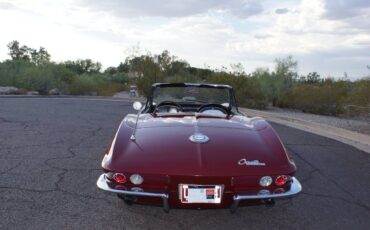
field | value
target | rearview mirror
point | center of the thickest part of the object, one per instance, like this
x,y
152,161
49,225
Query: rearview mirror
x,y
137,105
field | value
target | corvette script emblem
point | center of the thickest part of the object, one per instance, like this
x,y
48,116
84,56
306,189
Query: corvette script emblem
x,y
251,163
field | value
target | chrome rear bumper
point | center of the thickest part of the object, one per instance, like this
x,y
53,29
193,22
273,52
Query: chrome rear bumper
x,y
295,188
102,184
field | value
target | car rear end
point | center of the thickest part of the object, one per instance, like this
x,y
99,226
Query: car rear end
x,y
201,191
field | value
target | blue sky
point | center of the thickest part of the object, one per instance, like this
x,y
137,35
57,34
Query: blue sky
x,y
327,36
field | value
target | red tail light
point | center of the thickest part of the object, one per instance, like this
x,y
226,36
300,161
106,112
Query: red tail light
x,y
119,178
281,180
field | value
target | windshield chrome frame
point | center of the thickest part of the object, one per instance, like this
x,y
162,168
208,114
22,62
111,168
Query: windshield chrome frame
x,y
232,99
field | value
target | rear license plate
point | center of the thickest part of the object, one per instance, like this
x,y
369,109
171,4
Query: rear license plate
x,y
200,193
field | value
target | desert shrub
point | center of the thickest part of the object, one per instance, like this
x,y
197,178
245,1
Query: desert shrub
x,y
84,84
358,101
360,93
31,69
95,84
110,88
118,78
325,98
247,88
39,78
11,71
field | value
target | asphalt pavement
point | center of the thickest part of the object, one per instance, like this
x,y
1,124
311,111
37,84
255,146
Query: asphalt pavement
x,y
50,153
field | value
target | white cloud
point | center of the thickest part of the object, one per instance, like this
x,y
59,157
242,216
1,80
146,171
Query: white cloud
x,y
174,8
299,31
215,32
335,9
281,11
6,5
305,32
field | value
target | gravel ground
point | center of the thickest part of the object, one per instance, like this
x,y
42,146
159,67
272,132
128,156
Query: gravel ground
x,y
357,125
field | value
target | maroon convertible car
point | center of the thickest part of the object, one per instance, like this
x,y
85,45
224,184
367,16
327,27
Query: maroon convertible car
x,y
190,147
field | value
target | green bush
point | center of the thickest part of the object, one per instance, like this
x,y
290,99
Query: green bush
x,y
40,78
43,78
32,70
360,93
358,102
91,84
324,98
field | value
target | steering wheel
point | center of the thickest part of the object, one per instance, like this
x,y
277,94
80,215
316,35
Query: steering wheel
x,y
169,104
214,107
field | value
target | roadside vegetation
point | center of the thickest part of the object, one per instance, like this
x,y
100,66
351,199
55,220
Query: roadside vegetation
x,y
32,70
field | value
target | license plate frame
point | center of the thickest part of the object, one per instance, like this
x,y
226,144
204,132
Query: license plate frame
x,y
200,194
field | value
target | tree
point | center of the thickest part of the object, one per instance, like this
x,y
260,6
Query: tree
x,y
82,66
283,78
165,60
136,63
111,70
150,74
40,57
90,67
313,78
19,53
178,67
25,53
266,83
123,67
238,69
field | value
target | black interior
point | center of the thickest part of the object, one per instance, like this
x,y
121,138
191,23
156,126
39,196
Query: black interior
x,y
174,107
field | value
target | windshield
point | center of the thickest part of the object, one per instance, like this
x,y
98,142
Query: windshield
x,y
192,94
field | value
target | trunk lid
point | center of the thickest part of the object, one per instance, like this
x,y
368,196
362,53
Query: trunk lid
x,y
162,146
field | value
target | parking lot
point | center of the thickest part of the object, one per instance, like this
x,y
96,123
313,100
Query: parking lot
x,y
50,153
